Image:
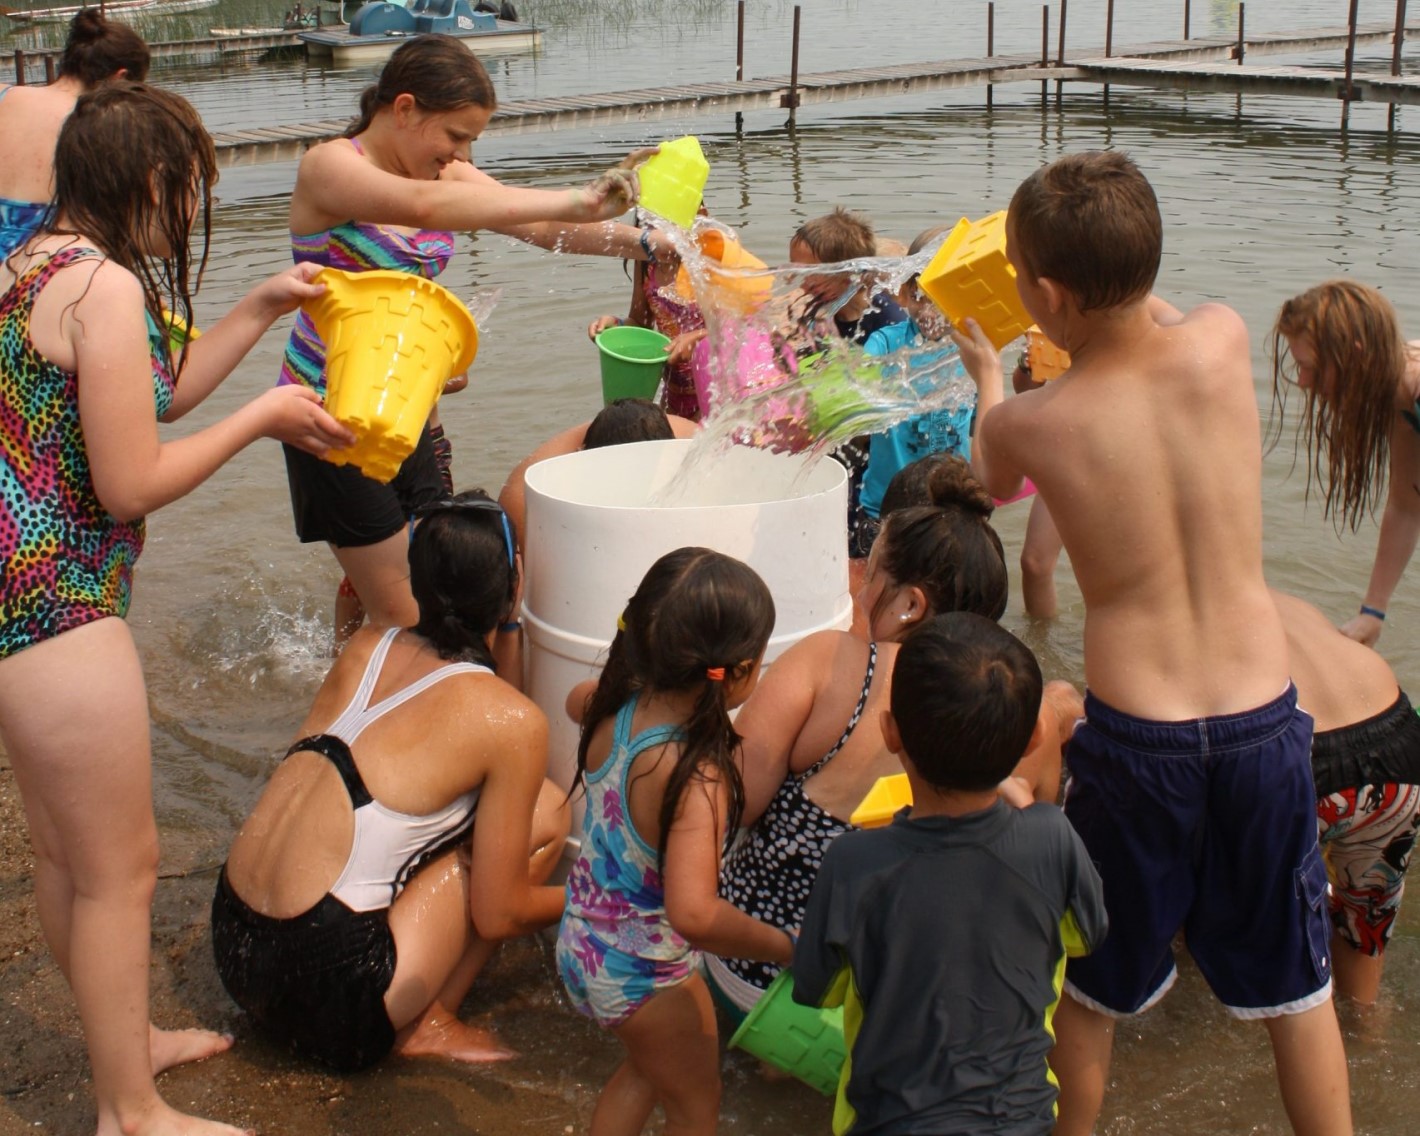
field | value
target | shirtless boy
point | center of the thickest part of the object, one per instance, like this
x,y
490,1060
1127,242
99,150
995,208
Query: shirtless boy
x,y
1190,778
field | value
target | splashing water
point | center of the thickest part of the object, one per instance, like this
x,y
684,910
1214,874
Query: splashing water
x,y
776,374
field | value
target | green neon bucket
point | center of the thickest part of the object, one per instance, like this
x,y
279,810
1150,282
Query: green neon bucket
x,y
632,361
804,1042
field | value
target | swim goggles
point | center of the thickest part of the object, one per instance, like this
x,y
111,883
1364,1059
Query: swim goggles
x,y
474,504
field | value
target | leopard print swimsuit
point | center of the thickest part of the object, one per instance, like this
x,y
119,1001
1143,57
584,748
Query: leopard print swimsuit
x,y
64,559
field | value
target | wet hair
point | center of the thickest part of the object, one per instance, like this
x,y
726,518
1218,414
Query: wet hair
x,y
1091,223
627,420
694,610
132,160
437,70
1360,352
840,235
912,484
462,575
99,48
927,237
947,548
965,697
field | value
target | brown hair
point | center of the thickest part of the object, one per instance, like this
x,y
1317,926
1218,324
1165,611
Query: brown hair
x,y
1091,223
1354,332
840,235
98,49
437,70
134,159
945,544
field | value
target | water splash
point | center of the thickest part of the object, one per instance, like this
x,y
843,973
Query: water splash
x,y
776,372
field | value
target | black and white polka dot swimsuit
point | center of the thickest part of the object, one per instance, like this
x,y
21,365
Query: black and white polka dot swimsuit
x,y
771,871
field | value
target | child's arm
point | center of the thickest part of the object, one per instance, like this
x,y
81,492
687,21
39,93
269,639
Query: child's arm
x,y
1400,529
692,881
821,971
638,315
1038,771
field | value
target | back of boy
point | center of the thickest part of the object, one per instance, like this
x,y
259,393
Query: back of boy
x,y
944,935
1190,779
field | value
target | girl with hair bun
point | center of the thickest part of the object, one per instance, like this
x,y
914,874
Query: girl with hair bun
x,y
813,742
96,51
659,762
406,832
1340,343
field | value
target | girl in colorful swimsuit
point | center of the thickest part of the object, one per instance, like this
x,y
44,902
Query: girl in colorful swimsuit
x,y
381,865
658,761
30,117
1340,342
389,195
85,375
813,743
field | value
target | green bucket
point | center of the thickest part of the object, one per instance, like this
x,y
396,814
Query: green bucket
x,y
804,1042
632,361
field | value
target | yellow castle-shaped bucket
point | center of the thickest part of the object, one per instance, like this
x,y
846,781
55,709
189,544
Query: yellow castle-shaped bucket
x,y
884,800
1046,360
971,277
673,180
392,341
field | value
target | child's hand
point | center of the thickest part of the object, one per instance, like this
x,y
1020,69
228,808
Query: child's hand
x,y
455,383
1016,792
287,291
978,354
682,345
614,192
293,414
600,324
1363,628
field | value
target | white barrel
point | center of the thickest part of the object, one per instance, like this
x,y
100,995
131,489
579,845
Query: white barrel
x,y
595,525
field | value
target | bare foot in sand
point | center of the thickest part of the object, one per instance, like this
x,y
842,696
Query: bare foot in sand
x,y
180,1047
440,1034
162,1120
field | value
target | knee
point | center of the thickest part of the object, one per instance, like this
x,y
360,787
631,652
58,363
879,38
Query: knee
x,y
1037,563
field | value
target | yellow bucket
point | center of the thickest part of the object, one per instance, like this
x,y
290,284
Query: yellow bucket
x,y
887,796
970,276
392,340
1046,360
673,181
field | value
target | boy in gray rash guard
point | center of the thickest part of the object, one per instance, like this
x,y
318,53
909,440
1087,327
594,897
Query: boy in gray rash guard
x,y
944,935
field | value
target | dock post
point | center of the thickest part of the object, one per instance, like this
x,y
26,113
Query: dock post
x,y
793,96
49,70
1044,50
740,59
1348,92
991,43
1398,41
19,67
1060,52
1186,14
1242,41
1108,42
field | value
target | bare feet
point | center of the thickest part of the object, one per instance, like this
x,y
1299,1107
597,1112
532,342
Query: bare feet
x,y
179,1047
440,1034
162,1120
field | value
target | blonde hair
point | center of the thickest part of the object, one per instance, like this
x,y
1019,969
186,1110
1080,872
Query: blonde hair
x,y
840,235
1360,362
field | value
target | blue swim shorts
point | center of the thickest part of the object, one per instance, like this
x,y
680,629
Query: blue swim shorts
x,y
1208,826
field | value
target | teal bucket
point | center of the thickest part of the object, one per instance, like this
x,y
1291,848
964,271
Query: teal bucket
x,y
632,361
806,1043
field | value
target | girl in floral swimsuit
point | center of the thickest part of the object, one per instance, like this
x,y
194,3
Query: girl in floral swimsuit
x,y
84,378
658,761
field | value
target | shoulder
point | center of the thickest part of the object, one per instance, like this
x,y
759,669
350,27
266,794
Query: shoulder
x,y
683,427
1218,320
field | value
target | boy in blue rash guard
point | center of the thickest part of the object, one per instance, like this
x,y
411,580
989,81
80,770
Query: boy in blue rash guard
x,y
944,935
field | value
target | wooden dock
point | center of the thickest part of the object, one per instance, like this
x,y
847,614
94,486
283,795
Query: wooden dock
x,y
1206,63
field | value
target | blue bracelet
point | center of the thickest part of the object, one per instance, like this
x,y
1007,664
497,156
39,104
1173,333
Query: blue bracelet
x,y
512,626
1373,612
646,246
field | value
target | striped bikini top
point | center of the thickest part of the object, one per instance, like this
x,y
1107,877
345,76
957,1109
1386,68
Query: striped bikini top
x,y
356,246
388,847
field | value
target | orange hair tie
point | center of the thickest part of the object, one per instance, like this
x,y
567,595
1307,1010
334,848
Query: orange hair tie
x,y
715,674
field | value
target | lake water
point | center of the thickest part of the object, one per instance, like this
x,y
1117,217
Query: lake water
x,y
1261,198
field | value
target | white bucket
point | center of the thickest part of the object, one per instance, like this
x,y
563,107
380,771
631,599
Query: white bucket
x,y
592,532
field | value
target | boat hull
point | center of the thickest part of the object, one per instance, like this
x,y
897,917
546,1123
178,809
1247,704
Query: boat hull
x,y
344,49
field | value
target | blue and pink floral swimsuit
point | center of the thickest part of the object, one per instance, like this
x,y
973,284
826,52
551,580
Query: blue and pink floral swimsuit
x,y
616,948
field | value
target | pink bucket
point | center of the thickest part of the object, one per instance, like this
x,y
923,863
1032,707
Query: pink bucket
x,y
749,365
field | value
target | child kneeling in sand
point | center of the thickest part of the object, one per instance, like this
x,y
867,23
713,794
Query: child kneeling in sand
x,y
944,935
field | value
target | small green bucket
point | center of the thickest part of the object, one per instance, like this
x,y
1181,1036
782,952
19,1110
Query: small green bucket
x,y
632,361
804,1042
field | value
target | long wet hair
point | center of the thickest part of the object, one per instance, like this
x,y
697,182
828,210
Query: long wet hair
x,y
948,547
462,574
130,160
437,70
1354,332
694,610
99,48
